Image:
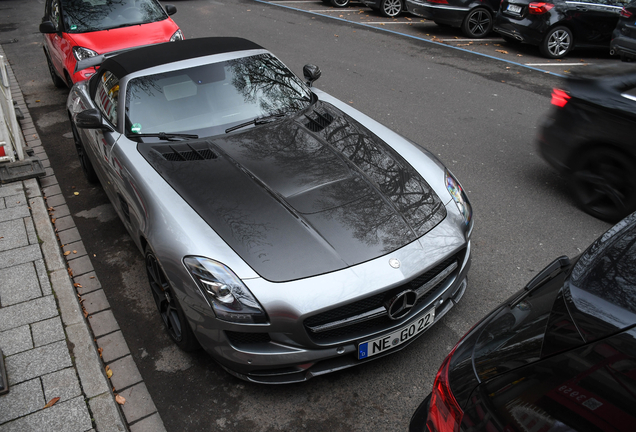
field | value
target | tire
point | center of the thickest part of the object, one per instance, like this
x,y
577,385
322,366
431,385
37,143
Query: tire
x,y
170,311
85,162
478,23
391,8
604,184
339,3
558,42
57,81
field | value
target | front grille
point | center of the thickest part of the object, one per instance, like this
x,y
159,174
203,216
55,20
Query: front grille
x,y
244,338
370,303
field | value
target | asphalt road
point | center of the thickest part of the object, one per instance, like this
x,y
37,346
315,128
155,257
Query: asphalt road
x,y
478,114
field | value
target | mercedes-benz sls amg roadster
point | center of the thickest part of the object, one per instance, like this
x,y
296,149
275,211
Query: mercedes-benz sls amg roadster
x,y
284,231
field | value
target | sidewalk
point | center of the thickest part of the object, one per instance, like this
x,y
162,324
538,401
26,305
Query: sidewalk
x,y
49,323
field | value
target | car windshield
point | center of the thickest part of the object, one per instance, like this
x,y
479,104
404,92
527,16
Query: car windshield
x,y
81,16
206,100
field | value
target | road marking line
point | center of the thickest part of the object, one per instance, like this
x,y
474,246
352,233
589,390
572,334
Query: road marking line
x,y
557,64
472,40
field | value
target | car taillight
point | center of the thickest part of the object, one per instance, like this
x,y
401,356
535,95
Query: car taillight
x,y
438,1
625,13
538,8
559,97
444,413
2,153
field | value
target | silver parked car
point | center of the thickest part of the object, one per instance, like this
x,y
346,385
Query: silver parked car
x,y
285,232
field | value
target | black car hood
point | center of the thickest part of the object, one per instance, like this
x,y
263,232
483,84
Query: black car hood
x,y
302,196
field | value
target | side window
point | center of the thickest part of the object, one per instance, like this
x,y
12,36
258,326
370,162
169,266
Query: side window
x,y
106,96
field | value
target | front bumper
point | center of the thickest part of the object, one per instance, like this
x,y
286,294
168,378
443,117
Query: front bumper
x,y
281,360
444,14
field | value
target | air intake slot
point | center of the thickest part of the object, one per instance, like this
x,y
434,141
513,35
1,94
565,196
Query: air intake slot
x,y
318,121
186,152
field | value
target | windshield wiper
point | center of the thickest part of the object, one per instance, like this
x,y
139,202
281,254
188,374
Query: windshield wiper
x,y
165,136
256,121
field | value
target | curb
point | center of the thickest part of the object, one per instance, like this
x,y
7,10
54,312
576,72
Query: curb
x,y
93,334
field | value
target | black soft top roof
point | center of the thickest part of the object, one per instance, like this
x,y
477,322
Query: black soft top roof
x,y
168,52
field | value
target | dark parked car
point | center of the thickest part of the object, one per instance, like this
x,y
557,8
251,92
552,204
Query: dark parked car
x,y
557,356
286,232
474,17
558,26
588,135
387,8
624,37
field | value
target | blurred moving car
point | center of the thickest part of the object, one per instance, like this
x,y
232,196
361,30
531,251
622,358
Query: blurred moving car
x,y
588,136
558,26
475,18
78,29
624,37
559,355
283,230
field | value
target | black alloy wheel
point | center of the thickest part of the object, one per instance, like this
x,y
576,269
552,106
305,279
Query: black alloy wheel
x,y
339,3
57,81
604,184
557,43
171,313
478,23
85,162
391,8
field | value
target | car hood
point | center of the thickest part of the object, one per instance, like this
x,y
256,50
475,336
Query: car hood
x,y
302,196
105,41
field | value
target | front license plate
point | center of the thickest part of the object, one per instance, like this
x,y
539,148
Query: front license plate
x,y
514,8
398,337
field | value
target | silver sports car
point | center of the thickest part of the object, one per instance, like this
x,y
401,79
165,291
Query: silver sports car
x,y
285,232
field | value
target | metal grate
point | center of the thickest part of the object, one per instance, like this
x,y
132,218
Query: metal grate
x,y
241,338
185,153
318,121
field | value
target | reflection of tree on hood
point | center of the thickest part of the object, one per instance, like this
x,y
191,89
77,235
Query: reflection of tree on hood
x,y
265,79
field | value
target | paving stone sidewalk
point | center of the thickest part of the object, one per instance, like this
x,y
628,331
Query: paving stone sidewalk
x,y
52,325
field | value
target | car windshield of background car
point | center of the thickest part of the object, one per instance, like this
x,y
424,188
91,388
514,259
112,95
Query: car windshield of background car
x,y
206,99
81,16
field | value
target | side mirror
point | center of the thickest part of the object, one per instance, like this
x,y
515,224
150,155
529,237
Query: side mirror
x,y
91,119
311,73
170,9
47,27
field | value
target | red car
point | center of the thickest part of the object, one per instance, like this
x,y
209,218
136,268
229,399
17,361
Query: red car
x,y
75,30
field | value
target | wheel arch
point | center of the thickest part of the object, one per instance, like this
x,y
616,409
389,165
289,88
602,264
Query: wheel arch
x,y
591,144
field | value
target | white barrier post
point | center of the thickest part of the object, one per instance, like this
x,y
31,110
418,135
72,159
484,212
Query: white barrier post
x,y
11,141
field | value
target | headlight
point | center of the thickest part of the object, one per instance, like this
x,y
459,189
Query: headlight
x,y
82,53
177,36
460,198
229,297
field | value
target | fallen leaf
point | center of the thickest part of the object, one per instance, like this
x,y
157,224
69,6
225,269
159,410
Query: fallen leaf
x,y
74,251
120,400
37,100
109,372
92,277
52,402
75,193
502,51
53,220
70,272
77,285
67,253
100,351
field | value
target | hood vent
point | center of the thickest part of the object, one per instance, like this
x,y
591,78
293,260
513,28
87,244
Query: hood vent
x,y
186,153
318,121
